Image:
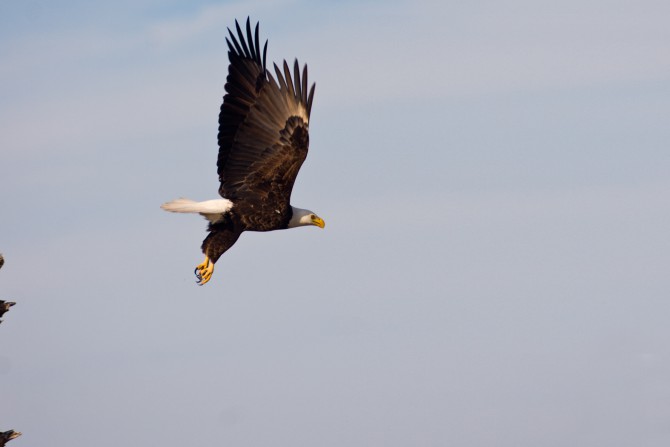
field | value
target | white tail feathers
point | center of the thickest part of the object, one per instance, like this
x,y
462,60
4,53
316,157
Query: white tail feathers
x,y
212,210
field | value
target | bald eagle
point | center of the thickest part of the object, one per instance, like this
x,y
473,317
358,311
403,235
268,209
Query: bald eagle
x,y
263,141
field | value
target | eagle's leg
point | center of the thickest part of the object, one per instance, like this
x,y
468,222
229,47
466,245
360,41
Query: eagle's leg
x,y
204,271
221,237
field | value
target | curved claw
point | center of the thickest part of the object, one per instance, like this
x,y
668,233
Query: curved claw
x,y
204,271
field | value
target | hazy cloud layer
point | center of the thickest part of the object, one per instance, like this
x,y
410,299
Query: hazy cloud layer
x,y
494,177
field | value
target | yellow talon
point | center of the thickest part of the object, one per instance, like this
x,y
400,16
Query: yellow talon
x,y
204,271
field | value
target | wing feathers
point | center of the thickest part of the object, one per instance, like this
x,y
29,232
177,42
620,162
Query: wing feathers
x,y
310,98
242,42
304,85
280,77
264,119
265,51
237,49
246,77
289,81
298,86
254,55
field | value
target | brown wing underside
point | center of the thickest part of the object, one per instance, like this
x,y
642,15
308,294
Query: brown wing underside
x,y
263,130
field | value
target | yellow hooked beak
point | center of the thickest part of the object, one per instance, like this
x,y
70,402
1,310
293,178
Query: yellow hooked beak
x,y
316,220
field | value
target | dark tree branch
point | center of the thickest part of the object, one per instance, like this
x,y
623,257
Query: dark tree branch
x,y
4,307
7,436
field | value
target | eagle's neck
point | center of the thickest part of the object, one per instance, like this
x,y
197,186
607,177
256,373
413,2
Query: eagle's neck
x,y
299,217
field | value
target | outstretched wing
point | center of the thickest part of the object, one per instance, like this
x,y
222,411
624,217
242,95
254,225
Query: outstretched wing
x,y
263,126
246,78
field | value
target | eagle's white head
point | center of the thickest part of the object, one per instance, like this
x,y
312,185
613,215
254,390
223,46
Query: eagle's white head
x,y
305,217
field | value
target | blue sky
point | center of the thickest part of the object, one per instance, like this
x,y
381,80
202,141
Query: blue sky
x,y
494,178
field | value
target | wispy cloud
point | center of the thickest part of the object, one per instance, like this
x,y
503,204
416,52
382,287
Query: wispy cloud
x,y
152,74
171,31
208,18
430,49
86,82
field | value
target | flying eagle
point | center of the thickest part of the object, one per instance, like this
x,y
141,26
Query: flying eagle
x,y
263,141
